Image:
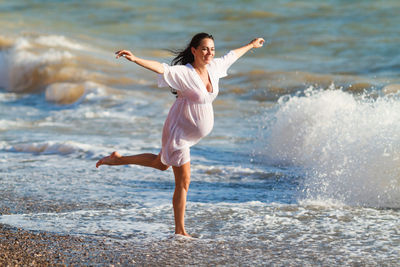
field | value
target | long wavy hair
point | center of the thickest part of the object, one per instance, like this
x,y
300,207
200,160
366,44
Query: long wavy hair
x,y
185,56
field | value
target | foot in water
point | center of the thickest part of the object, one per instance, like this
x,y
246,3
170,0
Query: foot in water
x,y
184,234
109,160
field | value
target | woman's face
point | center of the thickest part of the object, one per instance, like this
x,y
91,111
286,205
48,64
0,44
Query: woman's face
x,y
205,52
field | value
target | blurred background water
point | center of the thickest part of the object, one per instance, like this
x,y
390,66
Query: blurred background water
x,y
302,165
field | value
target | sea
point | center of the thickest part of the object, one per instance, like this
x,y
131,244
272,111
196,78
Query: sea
x,y
302,167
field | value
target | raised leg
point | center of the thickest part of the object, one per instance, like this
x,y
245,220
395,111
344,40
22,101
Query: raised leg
x,y
146,159
182,181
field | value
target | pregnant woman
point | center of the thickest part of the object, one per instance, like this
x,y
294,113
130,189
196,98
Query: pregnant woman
x,y
194,77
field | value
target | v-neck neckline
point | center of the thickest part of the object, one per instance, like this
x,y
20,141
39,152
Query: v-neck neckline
x,y
201,81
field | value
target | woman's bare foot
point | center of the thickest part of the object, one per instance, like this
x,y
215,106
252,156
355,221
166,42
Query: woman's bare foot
x,y
109,160
184,234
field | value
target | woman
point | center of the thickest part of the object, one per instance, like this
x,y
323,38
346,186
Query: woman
x,y
194,78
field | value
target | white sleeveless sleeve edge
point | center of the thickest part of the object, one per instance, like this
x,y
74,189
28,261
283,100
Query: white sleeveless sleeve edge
x,y
161,77
173,76
224,63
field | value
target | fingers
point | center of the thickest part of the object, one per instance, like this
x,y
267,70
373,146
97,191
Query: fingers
x,y
258,42
123,53
119,53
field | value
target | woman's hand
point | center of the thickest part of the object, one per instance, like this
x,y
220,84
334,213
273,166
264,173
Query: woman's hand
x,y
127,54
257,43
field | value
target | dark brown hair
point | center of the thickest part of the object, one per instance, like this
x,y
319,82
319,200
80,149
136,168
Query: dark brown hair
x,y
182,57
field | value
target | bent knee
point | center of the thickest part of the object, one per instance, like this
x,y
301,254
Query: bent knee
x,y
163,167
157,164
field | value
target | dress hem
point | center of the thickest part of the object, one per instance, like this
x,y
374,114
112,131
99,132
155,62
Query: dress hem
x,y
173,165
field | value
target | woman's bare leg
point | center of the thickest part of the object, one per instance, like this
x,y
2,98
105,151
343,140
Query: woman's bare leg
x,y
147,160
182,181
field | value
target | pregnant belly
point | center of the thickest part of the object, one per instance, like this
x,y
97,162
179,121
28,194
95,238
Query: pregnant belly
x,y
198,121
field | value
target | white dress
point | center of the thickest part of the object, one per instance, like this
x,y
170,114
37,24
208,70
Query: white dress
x,y
191,117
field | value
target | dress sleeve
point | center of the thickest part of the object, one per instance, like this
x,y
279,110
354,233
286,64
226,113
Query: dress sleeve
x,y
222,64
172,77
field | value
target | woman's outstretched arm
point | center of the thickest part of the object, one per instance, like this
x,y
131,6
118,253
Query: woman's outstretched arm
x,y
148,64
256,43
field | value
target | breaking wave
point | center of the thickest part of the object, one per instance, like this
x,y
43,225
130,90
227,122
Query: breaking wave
x,y
348,146
54,64
51,147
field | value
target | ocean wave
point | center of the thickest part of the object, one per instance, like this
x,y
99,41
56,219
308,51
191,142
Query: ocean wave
x,y
218,173
9,124
64,93
264,85
63,148
59,41
51,147
28,67
348,146
55,63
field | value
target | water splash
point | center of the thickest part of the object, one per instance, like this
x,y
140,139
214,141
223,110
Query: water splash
x,y
348,146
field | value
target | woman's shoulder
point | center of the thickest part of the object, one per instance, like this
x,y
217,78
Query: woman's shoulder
x,y
176,71
179,68
221,64
228,56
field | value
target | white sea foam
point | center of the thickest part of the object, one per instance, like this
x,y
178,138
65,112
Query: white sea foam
x,y
51,147
59,41
8,124
225,171
343,234
349,146
135,222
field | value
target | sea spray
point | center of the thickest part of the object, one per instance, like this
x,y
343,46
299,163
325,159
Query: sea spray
x,y
347,145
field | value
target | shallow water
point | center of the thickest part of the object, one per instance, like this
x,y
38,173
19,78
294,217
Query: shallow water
x,y
302,166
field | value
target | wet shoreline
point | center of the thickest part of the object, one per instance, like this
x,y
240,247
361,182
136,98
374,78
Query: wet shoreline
x,y
20,247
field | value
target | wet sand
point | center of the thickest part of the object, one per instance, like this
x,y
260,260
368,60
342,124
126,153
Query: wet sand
x,y
19,247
